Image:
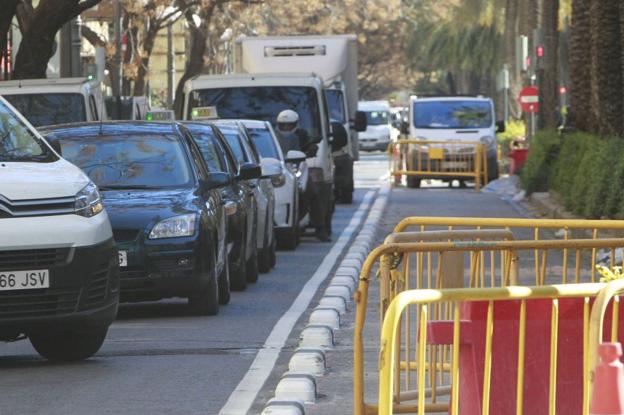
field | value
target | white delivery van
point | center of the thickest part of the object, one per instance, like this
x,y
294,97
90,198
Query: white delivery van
x,y
455,119
59,277
378,132
56,101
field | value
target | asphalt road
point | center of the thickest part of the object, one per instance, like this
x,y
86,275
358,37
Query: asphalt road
x,y
159,359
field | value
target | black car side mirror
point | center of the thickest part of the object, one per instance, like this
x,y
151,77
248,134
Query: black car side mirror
x,y
249,171
218,180
360,123
339,136
500,127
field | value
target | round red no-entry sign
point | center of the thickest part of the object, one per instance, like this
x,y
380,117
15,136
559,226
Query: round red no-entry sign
x,y
529,99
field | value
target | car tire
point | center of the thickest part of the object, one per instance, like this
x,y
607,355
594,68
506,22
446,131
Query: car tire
x,y
288,238
272,255
264,256
68,345
238,273
206,302
252,266
224,284
413,182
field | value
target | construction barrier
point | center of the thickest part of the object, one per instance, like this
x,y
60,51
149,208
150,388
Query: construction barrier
x,y
473,258
449,160
522,350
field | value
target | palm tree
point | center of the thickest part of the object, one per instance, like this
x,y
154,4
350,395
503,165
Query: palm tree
x,y
580,67
550,79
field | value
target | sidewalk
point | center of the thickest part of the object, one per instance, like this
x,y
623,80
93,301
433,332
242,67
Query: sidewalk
x,y
336,388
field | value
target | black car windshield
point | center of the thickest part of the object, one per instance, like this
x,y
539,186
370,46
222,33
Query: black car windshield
x,y
211,151
452,114
130,161
262,103
18,143
377,117
264,142
49,109
335,102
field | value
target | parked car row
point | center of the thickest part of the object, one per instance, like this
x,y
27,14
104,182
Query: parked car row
x,y
145,211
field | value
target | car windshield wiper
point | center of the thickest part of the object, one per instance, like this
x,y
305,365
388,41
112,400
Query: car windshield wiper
x,y
125,187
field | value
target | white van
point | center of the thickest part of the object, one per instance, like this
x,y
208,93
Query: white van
x,y
56,101
59,277
378,133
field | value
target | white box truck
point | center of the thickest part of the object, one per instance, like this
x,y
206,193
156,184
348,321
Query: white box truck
x,y
56,101
334,59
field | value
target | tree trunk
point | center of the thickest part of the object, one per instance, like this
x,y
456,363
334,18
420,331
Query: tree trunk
x,y
510,34
606,67
549,90
148,47
37,46
527,17
10,7
580,68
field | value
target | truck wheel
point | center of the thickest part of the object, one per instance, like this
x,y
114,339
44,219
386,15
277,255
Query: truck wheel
x,y
206,302
413,182
68,345
252,267
224,284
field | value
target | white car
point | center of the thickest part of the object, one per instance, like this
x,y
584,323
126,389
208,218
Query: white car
x,y
59,274
286,185
379,131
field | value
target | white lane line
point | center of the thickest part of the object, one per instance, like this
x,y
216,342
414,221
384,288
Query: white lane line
x,y
242,398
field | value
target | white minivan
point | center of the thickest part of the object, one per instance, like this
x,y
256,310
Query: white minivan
x,y
59,277
378,132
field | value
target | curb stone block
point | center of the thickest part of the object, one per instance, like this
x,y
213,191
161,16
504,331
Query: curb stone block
x,y
284,407
325,316
316,336
300,386
340,290
336,302
310,361
347,281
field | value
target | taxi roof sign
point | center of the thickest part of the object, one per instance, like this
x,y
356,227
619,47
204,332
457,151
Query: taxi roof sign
x,y
160,115
204,113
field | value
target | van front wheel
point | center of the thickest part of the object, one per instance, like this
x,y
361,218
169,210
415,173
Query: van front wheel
x,y
68,345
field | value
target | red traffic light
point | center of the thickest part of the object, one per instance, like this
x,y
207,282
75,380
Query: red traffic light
x,y
563,90
540,51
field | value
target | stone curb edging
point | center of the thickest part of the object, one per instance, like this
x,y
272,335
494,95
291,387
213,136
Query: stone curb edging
x,y
298,387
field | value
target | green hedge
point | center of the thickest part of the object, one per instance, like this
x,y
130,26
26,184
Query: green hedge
x,y
585,170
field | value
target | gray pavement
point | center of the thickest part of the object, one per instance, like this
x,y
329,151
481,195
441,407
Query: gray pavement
x,y
159,359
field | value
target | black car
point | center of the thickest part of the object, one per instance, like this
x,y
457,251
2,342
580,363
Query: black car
x,y
165,207
242,225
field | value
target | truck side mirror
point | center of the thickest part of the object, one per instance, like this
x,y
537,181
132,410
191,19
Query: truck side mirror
x,y
500,126
404,128
360,122
339,136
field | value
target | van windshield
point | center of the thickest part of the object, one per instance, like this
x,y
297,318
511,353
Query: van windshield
x,y
377,117
452,114
18,143
262,103
49,109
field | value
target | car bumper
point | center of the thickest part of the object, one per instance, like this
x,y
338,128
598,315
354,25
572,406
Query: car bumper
x,y
83,292
161,269
368,144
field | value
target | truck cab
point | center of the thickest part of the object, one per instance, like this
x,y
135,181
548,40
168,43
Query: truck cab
x,y
56,101
263,97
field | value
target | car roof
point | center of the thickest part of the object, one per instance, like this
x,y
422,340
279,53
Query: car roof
x,y
255,124
111,128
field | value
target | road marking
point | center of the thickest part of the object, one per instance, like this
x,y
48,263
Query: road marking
x,y
241,400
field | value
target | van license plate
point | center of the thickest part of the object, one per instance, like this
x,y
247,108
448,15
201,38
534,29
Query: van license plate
x,y
24,280
123,258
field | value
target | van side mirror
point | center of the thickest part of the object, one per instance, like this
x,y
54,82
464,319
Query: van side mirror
x,y
271,167
339,136
295,156
360,123
249,171
500,126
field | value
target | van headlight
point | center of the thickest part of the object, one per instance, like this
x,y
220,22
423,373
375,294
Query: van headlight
x,y
488,141
175,227
88,201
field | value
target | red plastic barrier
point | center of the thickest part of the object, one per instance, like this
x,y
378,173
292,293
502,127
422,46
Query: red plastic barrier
x,y
608,391
517,159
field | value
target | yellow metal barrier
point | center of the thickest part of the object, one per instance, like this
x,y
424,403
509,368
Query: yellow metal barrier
x,y
449,160
478,261
419,303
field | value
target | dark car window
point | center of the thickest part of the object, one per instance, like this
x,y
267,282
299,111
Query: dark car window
x,y
154,160
235,144
263,140
207,143
49,109
335,104
452,114
250,149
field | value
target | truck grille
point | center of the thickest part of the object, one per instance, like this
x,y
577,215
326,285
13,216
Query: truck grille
x,y
34,303
32,258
